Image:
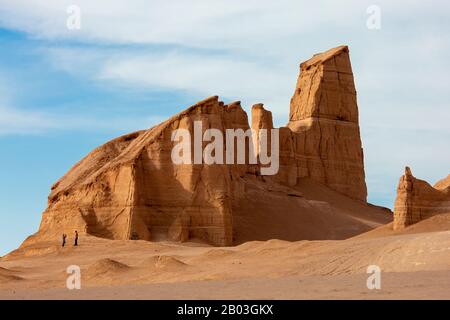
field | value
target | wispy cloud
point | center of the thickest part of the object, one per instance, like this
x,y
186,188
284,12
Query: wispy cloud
x,y
14,121
204,23
196,73
199,23
20,121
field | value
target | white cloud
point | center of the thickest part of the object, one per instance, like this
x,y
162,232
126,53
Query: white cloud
x,y
198,23
244,26
205,75
232,78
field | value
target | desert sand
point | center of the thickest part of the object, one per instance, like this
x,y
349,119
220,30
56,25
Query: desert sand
x,y
415,263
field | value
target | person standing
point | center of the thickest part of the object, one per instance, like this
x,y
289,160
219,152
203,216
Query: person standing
x,y
76,238
64,236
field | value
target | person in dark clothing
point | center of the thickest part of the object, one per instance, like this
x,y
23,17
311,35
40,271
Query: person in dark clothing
x,y
76,238
64,236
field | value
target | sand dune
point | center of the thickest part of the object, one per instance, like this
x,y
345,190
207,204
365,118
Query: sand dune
x,y
421,249
106,266
120,263
164,262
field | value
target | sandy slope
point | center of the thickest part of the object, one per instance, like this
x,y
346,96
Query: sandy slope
x,y
436,223
325,269
405,285
310,211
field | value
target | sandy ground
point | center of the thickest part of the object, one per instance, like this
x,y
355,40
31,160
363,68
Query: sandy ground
x,y
413,265
405,285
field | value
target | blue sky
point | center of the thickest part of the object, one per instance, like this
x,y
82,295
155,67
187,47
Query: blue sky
x,y
134,63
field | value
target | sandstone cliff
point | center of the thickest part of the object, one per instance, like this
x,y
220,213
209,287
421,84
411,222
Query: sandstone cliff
x,y
417,200
323,120
130,189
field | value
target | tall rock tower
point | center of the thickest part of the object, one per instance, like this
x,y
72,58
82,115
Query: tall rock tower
x,y
324,119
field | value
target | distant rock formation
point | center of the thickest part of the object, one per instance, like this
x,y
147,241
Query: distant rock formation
x,y
417,200
130,189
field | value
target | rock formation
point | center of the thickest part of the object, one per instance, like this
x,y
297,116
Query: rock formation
x,y
323,120
129,188
417,200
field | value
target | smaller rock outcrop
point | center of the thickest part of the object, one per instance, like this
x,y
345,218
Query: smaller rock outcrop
x,y
418,200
